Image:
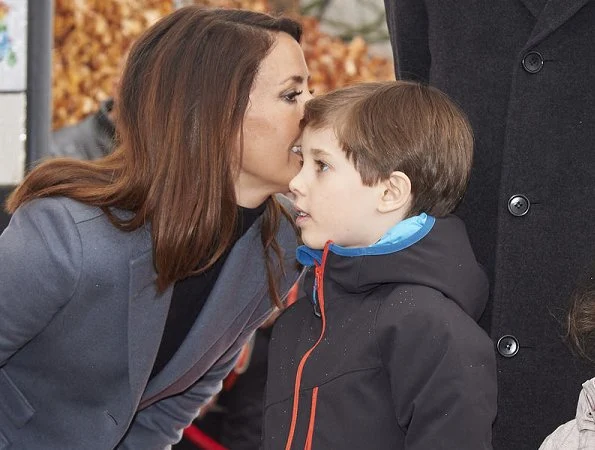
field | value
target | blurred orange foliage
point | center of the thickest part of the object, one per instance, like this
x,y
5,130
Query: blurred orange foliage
x,y
91,37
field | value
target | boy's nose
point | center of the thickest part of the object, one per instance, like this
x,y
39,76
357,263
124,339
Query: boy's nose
x,y
295,185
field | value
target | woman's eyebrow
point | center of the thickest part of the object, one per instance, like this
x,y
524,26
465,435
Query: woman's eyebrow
x,y
296,78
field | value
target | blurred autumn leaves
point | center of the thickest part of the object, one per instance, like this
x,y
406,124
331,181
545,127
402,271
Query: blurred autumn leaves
x,y
92,36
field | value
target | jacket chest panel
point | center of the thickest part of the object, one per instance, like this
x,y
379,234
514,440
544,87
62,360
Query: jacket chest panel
x,y
342,374
349,327
327,411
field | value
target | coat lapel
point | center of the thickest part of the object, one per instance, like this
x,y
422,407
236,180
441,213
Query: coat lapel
x,y
228,300
147,312
535,7
554,14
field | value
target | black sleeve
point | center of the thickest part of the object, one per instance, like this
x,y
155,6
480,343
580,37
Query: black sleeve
x,y
244,402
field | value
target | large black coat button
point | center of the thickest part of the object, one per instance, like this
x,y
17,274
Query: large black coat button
x,y
508,346
518,205
533,62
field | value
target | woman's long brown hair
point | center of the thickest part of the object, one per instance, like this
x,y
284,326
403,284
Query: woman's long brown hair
x,y
180,110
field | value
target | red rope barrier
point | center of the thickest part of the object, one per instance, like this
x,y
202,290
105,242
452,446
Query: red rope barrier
x,y
201,439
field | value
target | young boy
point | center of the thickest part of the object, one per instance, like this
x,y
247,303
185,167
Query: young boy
x,y
384,351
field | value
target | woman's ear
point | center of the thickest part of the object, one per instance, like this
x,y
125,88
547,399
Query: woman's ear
x,y
397,194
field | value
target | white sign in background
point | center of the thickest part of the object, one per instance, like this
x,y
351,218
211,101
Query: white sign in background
x,y
13,84
12,138
13,45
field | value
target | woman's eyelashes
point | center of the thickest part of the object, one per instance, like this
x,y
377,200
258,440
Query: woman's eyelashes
x,y
291,97
297,149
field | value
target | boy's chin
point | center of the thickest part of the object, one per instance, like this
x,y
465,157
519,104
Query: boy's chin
x,y
312,243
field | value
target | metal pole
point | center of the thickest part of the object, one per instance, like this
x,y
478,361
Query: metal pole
x,y
39,79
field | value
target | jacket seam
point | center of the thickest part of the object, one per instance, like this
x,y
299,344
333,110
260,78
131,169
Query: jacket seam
x,y
80,262
323,384
263,294
384,364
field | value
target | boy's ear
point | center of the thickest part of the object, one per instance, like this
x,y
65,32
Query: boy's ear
x,y
397,193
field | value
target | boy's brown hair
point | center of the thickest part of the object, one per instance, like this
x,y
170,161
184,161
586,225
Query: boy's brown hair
x,y
404,126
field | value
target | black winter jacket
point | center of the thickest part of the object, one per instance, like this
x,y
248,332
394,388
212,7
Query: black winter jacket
x,y
387,353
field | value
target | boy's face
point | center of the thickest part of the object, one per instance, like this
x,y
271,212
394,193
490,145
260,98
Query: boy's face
x,y
332,201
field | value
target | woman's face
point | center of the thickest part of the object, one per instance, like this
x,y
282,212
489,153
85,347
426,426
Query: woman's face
x,y
271,123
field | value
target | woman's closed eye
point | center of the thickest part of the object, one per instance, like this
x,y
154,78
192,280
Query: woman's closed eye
x,y
297,149
291,97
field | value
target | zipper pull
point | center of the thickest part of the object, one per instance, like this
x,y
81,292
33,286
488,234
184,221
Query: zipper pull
x,y
317,310
315,293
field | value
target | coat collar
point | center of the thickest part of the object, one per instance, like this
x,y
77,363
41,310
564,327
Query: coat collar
x,y
230,296
229,299
147,312
551,17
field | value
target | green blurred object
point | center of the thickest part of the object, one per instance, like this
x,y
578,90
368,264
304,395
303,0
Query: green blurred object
x,y
12,59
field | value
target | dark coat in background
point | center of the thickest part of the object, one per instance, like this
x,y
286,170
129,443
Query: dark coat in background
x,y
524,72
4,216
92,138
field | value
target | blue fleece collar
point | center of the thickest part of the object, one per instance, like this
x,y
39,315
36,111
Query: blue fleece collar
x,y
404,234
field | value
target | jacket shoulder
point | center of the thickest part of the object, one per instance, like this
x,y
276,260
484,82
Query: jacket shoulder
x,y
58,209
416,311
79,211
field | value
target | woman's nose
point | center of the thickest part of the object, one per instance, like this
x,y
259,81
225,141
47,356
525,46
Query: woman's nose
x,y
305,97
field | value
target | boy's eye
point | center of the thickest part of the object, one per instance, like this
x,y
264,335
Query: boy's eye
x,y
322,167
291,96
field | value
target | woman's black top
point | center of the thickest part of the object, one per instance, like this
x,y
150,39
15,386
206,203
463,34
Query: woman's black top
x,y
190,295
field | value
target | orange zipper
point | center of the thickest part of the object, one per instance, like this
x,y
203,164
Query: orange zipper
x,y
308,445
319,271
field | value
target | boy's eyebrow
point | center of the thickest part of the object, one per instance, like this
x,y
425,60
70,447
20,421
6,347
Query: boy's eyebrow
x,y
318,152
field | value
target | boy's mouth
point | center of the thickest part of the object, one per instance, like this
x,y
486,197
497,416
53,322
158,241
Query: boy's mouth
x,y
301,216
